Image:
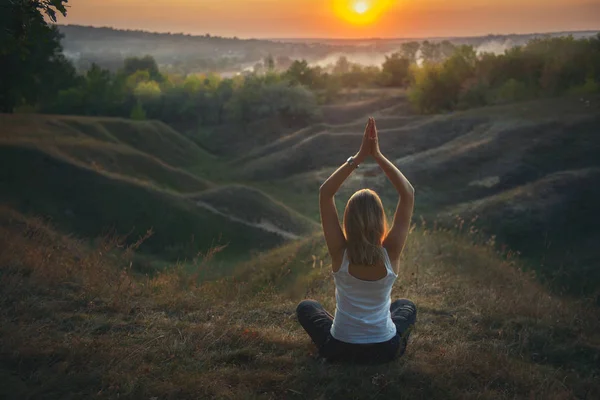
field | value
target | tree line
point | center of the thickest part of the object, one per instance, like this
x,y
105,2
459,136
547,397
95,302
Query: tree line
x,y
439,76
443,77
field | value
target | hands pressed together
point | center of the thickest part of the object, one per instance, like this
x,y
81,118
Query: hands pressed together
x,y
370,142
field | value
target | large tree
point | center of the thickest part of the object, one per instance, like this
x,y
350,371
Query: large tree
x,y
32,65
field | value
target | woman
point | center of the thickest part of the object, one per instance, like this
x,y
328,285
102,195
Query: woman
x,y
367,326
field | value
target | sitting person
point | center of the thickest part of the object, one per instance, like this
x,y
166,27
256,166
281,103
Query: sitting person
x,y
367,327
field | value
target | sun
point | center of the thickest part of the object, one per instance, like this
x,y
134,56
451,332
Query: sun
x,y
361,12
361,7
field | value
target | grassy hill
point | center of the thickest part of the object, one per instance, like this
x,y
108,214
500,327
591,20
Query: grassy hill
x,y
78,323
93,175
461,160
254,206
327,147
555,218
88,313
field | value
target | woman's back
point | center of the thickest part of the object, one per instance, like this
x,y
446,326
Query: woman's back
x,y
362,313
367,326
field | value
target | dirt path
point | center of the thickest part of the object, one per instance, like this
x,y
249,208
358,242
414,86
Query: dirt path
x,y
264,224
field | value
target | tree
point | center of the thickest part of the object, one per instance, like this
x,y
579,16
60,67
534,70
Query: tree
x,y
300,73
283,62
431,52
33,67
446,51
409,51
147,63
428,94
270,63
396,70
342,66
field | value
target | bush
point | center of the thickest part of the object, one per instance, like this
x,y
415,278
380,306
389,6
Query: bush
x,y
428,93
256,100
589,87
474,93
511,91
138,113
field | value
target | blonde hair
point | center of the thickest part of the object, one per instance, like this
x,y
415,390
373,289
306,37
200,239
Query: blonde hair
x,y
365,227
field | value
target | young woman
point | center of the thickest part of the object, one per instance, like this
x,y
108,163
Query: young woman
x,y
367,326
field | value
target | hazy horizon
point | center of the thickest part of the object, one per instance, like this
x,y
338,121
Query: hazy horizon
x,y
338,19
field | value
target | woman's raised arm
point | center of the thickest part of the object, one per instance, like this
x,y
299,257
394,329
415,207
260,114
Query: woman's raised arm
x,y
396,237
334,237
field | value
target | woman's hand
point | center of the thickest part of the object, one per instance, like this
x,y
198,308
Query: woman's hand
x,y
374,139
366,145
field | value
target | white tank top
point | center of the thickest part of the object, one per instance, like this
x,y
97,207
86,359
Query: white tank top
x,y
362,313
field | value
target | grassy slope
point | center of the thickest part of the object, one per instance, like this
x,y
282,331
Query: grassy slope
x,y
253,205
91,175
461,158
77,324
556,217
328,147
148,151
88,204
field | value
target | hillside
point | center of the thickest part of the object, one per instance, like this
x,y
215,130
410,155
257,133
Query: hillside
x,y
264,180
555,217
469,163
254,207
204,307
94,175
79,323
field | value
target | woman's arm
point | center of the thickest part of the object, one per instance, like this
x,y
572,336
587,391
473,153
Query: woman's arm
x,y
396,237
334,237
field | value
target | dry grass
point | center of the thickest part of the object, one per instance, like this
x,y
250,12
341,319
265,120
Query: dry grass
x,y
77,322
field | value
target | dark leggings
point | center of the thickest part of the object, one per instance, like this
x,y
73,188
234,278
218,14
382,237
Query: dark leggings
x,y
317,322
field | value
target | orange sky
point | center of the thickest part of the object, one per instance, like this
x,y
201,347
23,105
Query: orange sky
x,y
318,18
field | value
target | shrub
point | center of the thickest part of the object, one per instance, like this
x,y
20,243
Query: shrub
x,y
590,86
509,92
138,113
474,93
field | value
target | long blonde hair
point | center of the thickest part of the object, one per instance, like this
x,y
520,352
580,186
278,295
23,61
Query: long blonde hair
x,y
365,227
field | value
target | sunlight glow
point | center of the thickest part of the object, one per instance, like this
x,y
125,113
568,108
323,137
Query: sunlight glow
x,y
361,12
361,7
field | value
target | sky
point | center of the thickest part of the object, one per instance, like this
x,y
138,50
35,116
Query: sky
x,y
338,18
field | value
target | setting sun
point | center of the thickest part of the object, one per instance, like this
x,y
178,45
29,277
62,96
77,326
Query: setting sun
x,y
361,12
361,7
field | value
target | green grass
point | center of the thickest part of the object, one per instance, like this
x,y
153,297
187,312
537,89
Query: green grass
x,y
89,203
78,323
151,137
554,220
253,205
146,150
93,175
